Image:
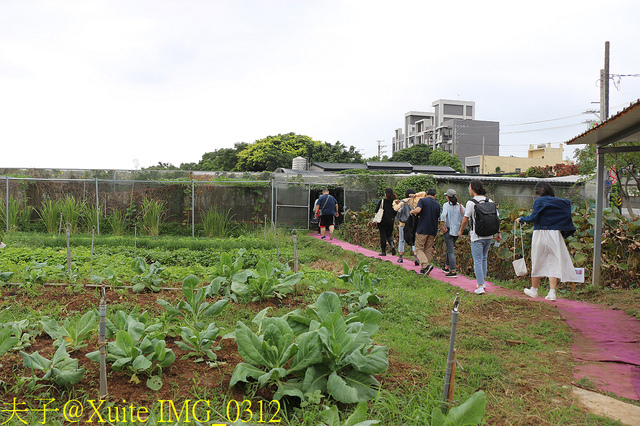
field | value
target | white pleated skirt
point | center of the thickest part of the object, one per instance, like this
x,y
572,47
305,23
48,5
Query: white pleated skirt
x,y
550,257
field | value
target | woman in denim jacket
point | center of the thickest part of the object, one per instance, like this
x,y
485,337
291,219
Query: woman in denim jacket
x,y
552,221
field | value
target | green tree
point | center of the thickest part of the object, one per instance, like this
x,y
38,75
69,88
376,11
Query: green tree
x,y
443,158
416,155
336,153
223,159
272,152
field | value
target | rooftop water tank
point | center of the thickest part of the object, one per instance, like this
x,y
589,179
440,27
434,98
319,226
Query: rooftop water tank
x,y
299,163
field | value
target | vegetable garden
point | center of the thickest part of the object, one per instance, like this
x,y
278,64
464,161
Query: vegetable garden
x,y
259,326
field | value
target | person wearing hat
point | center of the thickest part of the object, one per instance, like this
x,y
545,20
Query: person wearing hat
x,y
451,219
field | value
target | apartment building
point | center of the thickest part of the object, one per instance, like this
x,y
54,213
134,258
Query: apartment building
x,y
451,127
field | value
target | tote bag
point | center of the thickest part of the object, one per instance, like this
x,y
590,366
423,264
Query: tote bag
x,y
519,265
378,217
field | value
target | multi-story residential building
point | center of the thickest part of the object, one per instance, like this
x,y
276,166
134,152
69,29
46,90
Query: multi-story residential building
x,y
452,127
538,155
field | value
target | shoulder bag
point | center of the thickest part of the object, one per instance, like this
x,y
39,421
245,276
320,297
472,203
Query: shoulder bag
x,y
519,265
378,217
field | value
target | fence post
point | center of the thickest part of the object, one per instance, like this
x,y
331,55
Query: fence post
x,y
294,232
450,356
102,344
7,203
93,233
97,208
67,228
193,209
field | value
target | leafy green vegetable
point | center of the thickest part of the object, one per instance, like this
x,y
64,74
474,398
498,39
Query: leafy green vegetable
x,y
471,412
73,331
149,278
270,279
194,309
199,343
61,369
332,417
138,355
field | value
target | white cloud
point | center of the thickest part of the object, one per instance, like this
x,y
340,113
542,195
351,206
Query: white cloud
x,y
97,84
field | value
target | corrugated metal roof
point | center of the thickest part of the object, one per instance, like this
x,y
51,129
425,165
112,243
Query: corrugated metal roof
x,y
622,127
394,165
339,166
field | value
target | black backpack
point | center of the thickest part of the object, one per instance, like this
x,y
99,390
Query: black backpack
x,y
485,221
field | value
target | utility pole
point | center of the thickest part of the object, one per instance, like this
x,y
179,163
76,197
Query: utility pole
x,y
380,150
600,201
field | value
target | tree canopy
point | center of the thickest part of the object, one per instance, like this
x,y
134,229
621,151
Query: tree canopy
x,y
416,155
443,158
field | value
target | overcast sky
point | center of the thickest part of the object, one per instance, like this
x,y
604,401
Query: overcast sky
x,y
115,84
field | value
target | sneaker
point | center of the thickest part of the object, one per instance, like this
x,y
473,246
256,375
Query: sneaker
x,y
446,269
393,251
323,238
550,296
400,260
423,271
417,262
382,254
451,274
427,270
531,292
479,290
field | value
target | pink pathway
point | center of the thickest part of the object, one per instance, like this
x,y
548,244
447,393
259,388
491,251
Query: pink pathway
x,y
606,342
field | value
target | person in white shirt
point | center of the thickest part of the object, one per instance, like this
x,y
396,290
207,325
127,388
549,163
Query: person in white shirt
x,y
479,245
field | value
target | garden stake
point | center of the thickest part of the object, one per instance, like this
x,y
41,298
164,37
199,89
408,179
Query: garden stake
x,y
7,203
67,228
452,379
93,233
102,345
277,248
60,226
450,357
294,232
265,228
135,239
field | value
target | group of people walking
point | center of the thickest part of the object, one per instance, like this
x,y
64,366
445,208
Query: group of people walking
x,y
421,217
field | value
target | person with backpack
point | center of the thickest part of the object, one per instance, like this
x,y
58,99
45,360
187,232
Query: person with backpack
x,y
406,224
552,223
485,223
451,219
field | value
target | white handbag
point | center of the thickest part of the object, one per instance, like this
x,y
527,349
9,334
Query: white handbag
x,y
378,217
519,265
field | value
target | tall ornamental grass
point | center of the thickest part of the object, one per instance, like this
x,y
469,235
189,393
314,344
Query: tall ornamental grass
x,y
72,210
217,222
90,217
49,212
118,222
19,214
152,215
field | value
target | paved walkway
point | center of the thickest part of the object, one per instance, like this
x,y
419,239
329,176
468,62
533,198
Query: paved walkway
x,y
606,342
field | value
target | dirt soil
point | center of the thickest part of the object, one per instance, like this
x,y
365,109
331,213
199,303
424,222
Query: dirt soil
x,y
183,376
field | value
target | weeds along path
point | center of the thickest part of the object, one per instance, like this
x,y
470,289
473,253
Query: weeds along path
x,y
606,342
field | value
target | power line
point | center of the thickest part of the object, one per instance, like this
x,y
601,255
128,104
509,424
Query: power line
x,y
542,121
540,130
